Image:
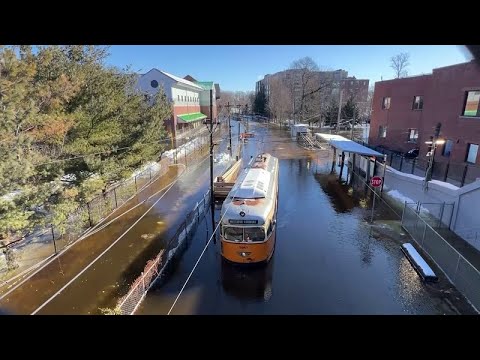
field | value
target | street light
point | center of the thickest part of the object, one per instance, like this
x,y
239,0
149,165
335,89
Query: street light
x,y
431,158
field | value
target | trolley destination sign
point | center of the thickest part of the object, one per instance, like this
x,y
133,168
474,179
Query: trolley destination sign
x,y
241,221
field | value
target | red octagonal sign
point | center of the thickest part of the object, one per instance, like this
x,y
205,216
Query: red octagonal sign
x,y
376,181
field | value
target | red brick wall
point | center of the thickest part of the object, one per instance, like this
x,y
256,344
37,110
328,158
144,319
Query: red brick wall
x,y
400,117
448,89
179,110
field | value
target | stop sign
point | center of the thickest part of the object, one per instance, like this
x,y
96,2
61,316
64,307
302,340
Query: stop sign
x,y
376,181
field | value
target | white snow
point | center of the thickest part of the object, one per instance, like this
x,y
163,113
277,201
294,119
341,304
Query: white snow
x,y
184,149
411,176
444,184
68,177
411,203
399,196
426,270
10,196
152,165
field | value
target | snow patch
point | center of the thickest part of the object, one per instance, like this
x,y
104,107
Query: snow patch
x,y
444,184
155,167
411,176
186,148
419,262
10,196
399,196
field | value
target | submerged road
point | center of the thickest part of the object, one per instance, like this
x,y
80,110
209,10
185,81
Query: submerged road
x,y
326,261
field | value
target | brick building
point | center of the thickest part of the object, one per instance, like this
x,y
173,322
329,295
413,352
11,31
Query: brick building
x,y
406,111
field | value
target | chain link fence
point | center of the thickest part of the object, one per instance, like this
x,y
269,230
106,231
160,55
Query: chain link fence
x,y
459,270
157,268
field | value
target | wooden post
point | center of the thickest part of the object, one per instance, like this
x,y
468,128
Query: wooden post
x,y
341,166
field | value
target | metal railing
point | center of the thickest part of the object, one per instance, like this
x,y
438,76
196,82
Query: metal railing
x,y
458,174
458,270
157,268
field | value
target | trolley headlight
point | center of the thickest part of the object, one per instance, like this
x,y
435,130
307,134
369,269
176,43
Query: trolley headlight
x,y
244,254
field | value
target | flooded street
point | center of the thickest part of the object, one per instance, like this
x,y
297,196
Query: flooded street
x,y
326,260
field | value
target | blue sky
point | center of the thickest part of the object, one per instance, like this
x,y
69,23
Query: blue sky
x,y
238,67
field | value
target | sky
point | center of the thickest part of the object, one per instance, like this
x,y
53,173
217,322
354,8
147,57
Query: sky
x,y
238,67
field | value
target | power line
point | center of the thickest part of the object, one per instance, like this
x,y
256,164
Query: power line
x,y
102,152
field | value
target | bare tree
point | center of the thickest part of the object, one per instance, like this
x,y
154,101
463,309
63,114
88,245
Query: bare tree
x,y
235,99
399,64
279,100
309,89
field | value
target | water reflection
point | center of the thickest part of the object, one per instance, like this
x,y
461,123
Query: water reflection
x,y
341,199
251,283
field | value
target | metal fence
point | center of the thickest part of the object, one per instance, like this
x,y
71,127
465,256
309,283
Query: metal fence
x,y
459,270
95,211
437,215
157,268
457,174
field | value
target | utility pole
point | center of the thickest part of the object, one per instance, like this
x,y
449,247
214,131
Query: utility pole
x,y
353,124
339,110
229,129
212,199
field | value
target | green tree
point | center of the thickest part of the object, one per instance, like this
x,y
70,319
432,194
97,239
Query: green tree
x,y
260,102
330,113
60,102
350,110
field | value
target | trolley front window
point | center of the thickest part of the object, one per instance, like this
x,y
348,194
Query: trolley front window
x,y
233,233
248,234
254,234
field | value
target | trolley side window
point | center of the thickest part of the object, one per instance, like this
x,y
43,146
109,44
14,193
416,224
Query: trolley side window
x,y
254,234
233,233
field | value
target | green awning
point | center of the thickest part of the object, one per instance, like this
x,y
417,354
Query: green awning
x,y
188,118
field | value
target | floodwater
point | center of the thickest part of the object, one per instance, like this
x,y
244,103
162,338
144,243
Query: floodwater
x,y
327,259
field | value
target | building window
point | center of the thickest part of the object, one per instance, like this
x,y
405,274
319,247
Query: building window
x,y
382,131
472,100
447,148
417,103
154,84
412,135
178,97
386,103
472,151
182,98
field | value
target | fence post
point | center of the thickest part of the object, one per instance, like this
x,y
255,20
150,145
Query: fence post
x,y
89,215
456,268
446,172
414,162
53,237
391,159
150,173
401,163
424,230
403,211
464,175
115,195
441,215
136,188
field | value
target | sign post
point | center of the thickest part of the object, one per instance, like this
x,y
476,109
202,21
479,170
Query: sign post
x,y
376,182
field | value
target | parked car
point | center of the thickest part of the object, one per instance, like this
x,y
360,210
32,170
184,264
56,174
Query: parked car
x,y
411,154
